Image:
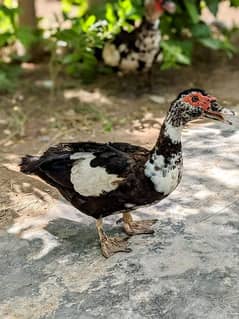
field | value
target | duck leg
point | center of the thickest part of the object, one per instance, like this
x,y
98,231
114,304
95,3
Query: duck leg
x,y
111,245
149,80
137,227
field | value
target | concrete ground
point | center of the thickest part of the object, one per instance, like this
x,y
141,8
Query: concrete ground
x,y
187,270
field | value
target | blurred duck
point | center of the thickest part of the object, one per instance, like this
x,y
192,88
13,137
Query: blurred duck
x,y
139,49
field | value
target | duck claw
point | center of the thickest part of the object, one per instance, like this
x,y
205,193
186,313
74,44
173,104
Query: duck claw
x,y
113,245
139,227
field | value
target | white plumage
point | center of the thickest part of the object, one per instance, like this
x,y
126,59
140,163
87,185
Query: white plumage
x,y
164,176
111,55
91,181
173,132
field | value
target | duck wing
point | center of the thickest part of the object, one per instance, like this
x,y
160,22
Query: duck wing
x,y
91,169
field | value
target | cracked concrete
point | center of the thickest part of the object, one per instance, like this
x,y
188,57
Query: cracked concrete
x,y
188,269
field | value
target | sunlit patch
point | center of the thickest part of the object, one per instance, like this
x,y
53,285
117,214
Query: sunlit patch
x,y
227,176
87,97
36,207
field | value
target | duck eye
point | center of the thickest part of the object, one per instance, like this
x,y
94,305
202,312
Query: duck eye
x,y
195,98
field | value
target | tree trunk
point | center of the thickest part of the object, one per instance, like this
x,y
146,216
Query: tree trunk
x,y
28,18
27,15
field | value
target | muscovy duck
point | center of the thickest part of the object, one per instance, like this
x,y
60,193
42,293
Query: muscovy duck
x,y
104,179
139,49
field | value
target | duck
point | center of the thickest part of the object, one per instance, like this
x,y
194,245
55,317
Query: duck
x,y
101,179
139,49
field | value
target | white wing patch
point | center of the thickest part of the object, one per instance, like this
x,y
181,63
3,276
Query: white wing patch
x,y
91,181
110,55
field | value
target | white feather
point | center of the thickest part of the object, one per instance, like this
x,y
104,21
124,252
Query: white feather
x,y
111,55
174,133
130,63
164,177
91,181
129,205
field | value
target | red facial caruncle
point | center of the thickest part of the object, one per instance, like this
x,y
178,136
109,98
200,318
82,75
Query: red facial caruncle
x,y
159,6
199,100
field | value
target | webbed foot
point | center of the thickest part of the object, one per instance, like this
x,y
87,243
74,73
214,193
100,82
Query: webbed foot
x,y
113,245
132,227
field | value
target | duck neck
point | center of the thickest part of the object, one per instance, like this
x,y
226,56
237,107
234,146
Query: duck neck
x,y
164,166
151,23
169,141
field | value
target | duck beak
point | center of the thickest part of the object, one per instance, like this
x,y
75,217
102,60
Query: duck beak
x,y
219,113
169,6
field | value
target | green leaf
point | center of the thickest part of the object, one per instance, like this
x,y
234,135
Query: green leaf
x,y
8,75
7,19
5,38
192,10
216,44
211,43
235,3
70,58
201,30
107,126
26,36
110,16
66,6
213,6
88,23
174,53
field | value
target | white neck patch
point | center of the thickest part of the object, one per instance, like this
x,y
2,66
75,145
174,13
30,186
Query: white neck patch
x,y
173,132
164,176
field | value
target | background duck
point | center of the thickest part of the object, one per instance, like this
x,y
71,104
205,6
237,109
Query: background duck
x,y
139,49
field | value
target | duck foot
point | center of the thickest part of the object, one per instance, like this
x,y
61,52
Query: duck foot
x,y
113,245
137,227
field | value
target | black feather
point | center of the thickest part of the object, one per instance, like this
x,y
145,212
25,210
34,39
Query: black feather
x,y
125,160
29,164
188,91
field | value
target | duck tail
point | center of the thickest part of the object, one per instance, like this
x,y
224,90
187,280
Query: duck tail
x,y
29,164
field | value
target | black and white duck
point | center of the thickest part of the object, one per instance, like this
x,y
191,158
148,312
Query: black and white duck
x,y
103,179
139,49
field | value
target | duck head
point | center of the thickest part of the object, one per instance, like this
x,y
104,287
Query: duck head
x,y
155,8
194,104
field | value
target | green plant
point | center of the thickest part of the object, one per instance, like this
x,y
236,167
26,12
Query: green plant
x,y
183,30
74,48
90,28
10,33
8,75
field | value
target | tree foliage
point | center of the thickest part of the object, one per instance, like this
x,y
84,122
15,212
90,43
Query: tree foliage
x,y
73,48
